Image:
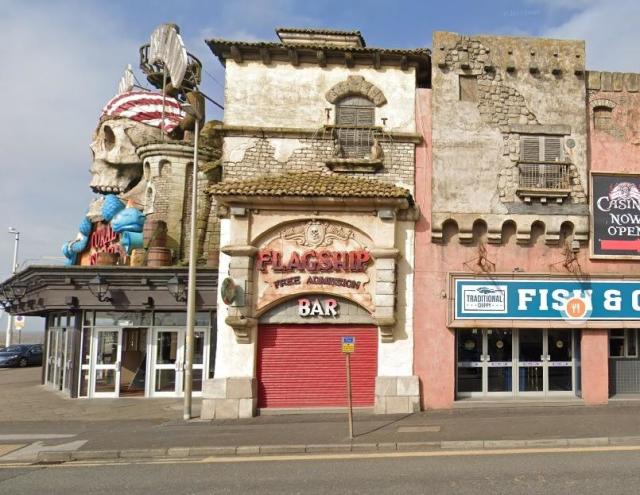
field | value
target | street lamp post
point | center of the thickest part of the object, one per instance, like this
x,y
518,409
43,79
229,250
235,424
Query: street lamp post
x,y
191,283
14,269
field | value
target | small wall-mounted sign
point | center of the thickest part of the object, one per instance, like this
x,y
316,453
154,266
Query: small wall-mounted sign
x,y
348,344
318,307
228,291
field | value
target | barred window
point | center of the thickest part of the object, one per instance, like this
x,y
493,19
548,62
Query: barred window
x,y
542,164
355,118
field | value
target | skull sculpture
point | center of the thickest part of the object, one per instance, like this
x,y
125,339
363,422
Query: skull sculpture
x,y
116,168
128,121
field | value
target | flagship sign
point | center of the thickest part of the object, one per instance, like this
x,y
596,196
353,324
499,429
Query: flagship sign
x,y
567,300
315,257
616,215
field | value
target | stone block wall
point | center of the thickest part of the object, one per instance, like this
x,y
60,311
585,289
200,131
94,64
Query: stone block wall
x,y
250,156
397,395
488,93
229,398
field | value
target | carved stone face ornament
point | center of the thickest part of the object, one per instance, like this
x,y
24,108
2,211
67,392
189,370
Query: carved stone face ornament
x,y
116,167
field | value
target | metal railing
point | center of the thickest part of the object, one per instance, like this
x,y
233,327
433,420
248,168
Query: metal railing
x,y
554,176
356,141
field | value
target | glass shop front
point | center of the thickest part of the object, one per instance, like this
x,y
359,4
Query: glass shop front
x,y
126,354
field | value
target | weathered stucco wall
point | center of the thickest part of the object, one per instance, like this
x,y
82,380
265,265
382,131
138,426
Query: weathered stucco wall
x,y
615,149
282,95
519,86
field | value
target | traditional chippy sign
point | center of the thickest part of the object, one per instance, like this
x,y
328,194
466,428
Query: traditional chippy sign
x,y
616,215
569,299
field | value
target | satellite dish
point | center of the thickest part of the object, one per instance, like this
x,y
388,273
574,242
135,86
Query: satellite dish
x,y
167,47
127,81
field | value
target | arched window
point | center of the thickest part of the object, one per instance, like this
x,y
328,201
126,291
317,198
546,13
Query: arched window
x,y
355,119
602,118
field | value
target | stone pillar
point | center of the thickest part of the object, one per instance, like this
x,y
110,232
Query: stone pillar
x,y
232,394
595,366
397,395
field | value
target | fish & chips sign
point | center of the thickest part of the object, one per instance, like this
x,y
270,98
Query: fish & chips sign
x,y
546,300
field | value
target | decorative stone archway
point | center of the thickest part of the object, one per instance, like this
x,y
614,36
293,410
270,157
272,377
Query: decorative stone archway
x,y
356,86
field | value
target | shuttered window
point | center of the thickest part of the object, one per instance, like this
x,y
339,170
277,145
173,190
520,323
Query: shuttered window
x,y
602,118
534,149
355,118
542,163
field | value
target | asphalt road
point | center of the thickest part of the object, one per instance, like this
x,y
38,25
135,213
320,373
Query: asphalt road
x,y
584,472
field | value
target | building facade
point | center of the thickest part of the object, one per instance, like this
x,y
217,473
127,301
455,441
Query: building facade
x,y
317,224
517,304
467,215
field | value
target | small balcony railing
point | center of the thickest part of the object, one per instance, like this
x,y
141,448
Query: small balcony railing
x,y
544,180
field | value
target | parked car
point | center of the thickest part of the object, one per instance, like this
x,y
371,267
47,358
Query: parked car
x,y
21,355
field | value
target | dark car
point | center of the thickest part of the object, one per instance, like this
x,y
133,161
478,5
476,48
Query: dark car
x,y
21,355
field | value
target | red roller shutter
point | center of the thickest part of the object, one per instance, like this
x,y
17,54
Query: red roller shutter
x,y
303,366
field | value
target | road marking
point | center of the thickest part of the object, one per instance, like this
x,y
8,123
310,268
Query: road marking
x,y
31,451
418,429
329,457
5,449
33,436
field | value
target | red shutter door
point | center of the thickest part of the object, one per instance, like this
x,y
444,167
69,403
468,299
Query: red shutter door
x,y
303,366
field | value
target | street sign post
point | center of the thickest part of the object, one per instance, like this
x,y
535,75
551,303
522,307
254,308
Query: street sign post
x,y
348,345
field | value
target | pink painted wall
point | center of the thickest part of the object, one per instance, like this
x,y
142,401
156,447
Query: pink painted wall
x,y
434,342
617,154
595,367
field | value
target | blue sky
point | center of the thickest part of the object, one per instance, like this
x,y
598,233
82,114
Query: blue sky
x,y
62,61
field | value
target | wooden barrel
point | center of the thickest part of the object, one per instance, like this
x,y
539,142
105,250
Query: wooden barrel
x,y
105,259
155,233
138,257
159,256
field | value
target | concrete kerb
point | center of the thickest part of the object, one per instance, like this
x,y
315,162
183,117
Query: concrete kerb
x,y
53,457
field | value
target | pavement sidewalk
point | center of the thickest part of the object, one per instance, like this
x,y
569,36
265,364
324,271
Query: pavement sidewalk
x,y
126,428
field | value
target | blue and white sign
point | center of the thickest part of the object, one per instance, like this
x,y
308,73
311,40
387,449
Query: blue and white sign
x,y
546,299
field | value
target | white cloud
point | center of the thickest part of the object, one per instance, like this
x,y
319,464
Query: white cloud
x,y
610,29
60,64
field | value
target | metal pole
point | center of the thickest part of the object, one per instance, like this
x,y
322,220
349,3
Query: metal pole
x,y
191,287
14,269
348,355
164,89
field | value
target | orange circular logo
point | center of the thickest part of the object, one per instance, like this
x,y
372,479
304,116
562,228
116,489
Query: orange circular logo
x,y
576,307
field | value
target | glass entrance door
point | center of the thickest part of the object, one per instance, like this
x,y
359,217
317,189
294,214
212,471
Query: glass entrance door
x,y
531,362
167,352
560,361
514,363
107,347
485,363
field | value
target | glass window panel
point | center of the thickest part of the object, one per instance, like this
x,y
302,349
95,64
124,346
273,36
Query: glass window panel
x,y
616,344
121,318
105,380
198,348
530,378
617,333
163,319
560,378
107,347
530,345
499,379
165,380
469,379
632,343
179,319
197,380
166,347
212,349
88,318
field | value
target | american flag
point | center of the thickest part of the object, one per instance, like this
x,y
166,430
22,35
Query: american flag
x,y
145,107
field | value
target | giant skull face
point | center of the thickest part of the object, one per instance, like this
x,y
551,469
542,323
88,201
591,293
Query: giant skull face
x,y
116,168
